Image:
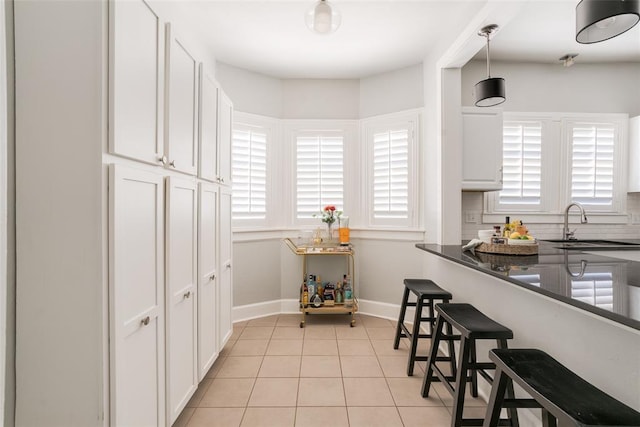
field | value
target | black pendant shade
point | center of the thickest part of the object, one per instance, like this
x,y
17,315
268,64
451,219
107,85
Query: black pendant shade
x,y
599,20
490,92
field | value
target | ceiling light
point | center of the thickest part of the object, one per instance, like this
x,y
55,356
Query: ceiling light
x,y
491,91
568,59
323,18
599,20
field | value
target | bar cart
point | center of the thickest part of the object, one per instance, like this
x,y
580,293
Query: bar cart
x,y
326,249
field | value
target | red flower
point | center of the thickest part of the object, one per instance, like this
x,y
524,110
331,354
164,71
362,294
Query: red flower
x,y
330,208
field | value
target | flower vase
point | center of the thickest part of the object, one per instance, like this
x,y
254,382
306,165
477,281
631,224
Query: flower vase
x,y
329,232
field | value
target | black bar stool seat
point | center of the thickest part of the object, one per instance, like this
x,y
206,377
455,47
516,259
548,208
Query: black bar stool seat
x,y
426,291
562,394
473,325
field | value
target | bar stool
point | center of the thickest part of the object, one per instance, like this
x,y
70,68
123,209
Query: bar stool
x,y
473,325
426,291
562,395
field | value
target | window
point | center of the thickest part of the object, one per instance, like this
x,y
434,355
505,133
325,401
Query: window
x,y
319,172
391,174
551,160
522,164
391,159
249,172
592,162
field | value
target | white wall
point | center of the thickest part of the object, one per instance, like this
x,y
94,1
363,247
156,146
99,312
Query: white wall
x,y
391,92
320,99
582,88
251,92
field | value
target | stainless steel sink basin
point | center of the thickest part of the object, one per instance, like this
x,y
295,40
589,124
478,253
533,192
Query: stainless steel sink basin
x,y
593,244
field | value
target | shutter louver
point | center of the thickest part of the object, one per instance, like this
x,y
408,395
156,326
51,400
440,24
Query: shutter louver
x,y
319,174
522,164
249,176
595,289
592,164
391,174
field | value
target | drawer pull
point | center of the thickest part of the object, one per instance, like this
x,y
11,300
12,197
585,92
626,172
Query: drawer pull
x,y
188,294
145,321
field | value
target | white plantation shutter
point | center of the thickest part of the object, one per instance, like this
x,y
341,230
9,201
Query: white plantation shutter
x,y
249,174
320,174
391,174
522,164
592,161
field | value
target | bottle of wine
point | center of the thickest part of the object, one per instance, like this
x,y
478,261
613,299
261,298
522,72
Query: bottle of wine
x,y
507,227
348,291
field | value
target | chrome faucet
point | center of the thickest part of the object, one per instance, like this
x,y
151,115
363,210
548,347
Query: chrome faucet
x,y
566,233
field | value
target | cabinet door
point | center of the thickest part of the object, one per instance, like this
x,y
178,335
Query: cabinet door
x,y
225,295
225,126
482,149
207,280
634,154
208,165
181,146
181,235
136,297
136,63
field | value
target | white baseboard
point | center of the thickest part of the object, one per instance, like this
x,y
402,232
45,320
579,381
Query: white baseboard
x,y
268,308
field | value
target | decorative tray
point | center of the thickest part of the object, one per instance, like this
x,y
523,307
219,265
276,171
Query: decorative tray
x,y
521,249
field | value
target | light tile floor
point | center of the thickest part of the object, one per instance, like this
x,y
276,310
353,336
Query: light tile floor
x,y
273,373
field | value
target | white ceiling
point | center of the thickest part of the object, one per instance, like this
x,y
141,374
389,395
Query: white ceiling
x,y
270,37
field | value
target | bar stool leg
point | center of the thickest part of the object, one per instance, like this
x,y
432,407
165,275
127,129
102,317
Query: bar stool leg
x,y
461,382
414,337
548,420
403,310
433,353
452,350
512,413
474,373
494,406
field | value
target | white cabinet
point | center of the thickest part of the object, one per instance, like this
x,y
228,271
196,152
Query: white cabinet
x,y
481,149
225,126
225,294
208,167
181,144
181,293
136,292
634,154
136,60
207,278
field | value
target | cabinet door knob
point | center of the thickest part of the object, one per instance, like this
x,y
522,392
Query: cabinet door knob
x,y
162,160
172,163
188,294
222,179
228,265
145,321
212,277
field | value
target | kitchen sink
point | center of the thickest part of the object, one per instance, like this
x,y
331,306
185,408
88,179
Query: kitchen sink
x,y
593,244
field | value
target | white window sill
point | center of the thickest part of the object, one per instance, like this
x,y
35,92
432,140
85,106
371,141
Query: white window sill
x,y
256,234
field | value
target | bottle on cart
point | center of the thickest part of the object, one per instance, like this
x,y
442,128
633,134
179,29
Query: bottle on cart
x,y
305,295
339,293
348,291
316,300
311,285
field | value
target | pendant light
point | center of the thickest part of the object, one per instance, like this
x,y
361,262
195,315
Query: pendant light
x,y
491,91
599,20
323,18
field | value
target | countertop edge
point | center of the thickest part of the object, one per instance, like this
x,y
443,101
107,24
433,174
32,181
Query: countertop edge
x,y
617,318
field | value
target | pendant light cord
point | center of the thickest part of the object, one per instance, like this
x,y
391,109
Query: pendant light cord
x,y
488,58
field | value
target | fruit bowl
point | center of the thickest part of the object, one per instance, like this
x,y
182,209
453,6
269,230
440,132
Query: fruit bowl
x,y
522,242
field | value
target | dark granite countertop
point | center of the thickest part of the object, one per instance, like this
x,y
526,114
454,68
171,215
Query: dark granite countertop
x,y
603,285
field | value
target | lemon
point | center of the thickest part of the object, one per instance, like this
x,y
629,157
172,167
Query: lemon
x,y
514,235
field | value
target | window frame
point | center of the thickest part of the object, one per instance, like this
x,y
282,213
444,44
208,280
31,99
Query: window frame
x,y
556,170
270,127
410,120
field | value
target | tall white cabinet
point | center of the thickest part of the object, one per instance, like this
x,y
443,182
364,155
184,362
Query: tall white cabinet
x,y
124,256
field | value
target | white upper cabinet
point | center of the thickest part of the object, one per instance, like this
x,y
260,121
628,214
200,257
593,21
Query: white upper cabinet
x,y
634,154
207,278
181,293
181,136
208,127
136,60
482,149
225,126
136,293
